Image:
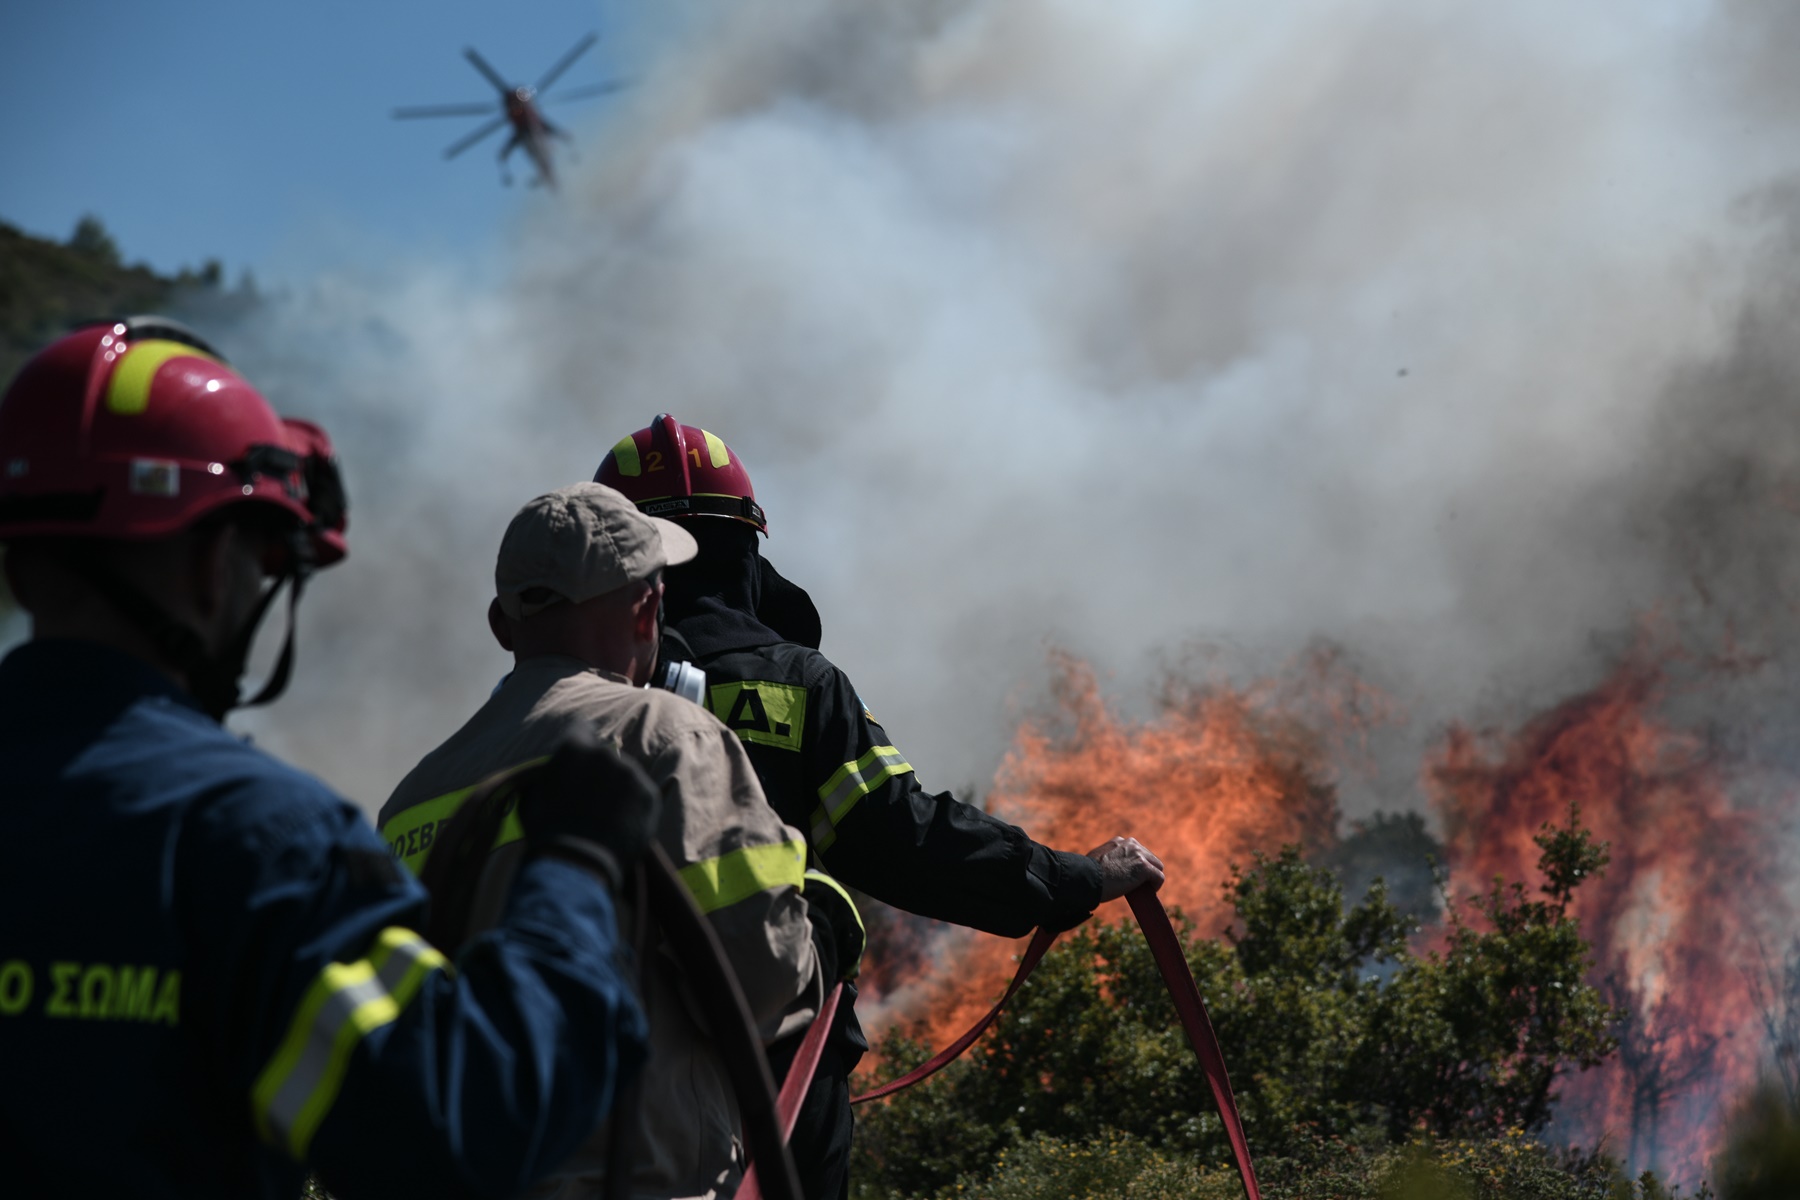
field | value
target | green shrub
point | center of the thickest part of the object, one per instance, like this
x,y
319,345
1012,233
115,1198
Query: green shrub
x,y
1116,1166
1335,1029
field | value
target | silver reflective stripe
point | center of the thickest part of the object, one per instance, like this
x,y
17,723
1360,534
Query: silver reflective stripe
x,y
413,950
860,779
298,1087
335,1016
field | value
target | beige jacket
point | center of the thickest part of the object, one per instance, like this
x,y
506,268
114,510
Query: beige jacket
x,y
743,865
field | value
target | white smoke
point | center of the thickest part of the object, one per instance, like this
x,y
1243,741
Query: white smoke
x,y
1118,327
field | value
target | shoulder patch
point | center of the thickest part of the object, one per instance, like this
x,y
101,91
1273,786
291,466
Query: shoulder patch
x,y
767,714
867,715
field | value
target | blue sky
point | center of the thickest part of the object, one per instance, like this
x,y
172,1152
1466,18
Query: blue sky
x,y
260,134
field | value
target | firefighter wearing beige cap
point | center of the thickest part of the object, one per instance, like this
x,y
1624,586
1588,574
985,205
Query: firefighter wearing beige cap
x,y
577,592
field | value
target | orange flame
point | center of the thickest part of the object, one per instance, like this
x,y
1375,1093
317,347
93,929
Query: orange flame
x,y
1218,774
1674,920
1221,772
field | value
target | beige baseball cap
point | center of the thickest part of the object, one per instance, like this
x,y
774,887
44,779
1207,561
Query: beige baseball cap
x,y
580,542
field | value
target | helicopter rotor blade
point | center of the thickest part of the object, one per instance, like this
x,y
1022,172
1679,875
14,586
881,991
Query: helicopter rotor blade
x,y
487,130
477,109
481,64
567,60
594,89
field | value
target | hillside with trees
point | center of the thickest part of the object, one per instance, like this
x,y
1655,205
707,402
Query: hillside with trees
x,y
47,286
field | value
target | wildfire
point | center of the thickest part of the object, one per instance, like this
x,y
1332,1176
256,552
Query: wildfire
x,y
1218,774
1692,896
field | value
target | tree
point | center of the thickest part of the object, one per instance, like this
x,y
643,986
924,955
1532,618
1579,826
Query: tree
x,y
1775,990
1475,1039
91,240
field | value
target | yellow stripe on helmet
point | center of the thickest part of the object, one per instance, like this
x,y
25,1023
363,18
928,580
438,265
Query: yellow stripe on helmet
x,y
128,393
626,455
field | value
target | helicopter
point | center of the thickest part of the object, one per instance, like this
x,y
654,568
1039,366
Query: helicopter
x,y
531,131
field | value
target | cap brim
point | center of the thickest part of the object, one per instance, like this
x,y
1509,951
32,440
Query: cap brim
x,y
678,545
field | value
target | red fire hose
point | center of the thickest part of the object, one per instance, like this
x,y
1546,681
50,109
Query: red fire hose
x,y
793,1088
1165,948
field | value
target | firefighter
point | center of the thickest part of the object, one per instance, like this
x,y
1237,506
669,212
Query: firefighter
x,y
578,591
827,765
209,976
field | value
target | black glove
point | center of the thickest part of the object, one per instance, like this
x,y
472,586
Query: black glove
x,y
837,928
592,805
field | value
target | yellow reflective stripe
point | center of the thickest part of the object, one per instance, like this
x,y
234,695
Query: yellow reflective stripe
x,y
412,832
370,1013
848,784
734,877
814,876
854,780
262,1096
296,1090
128,392
817,878
716,453
625,453
366,1017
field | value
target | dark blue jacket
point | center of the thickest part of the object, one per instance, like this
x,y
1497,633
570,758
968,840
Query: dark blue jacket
x,y
208,979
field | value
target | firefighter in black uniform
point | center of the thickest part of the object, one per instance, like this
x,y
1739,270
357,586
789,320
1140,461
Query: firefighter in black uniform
x,y
827,766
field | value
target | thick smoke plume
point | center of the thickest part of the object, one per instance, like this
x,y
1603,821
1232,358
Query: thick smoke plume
x,y
1461,336
1123,330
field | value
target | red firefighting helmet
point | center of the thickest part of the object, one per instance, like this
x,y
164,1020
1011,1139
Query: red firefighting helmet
x,y
673,470
324,490
136,429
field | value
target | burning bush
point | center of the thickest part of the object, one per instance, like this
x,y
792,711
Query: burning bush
x,y
1337,1029
1219,773
1693,893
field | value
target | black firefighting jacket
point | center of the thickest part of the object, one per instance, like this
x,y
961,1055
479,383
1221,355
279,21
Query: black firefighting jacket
x,y
832,771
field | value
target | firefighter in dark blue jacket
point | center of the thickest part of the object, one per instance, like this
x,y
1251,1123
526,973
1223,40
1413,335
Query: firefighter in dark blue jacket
x,y
210,981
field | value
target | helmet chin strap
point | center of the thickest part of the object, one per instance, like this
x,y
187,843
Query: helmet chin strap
x,y
212,679
224,673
